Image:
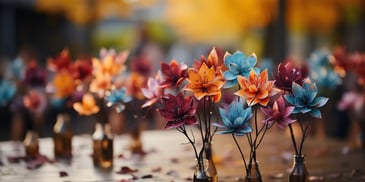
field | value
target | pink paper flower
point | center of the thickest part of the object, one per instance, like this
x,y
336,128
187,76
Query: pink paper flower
x,y
279,113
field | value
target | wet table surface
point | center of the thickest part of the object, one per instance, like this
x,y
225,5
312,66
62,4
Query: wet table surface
x,y
169,158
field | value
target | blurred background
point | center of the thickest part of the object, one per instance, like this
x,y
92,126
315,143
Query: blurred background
x,y
183,30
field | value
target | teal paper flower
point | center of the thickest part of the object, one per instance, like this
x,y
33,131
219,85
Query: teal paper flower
x,y
117,98
304,99
235,119
7,91
238,64
322,71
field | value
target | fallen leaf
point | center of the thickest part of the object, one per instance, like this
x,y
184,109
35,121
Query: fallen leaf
x,y
126,170
63,174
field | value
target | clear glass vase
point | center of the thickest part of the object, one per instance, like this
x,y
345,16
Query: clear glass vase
x,y
202,172
299,172
253,173
31,144
62,137
211,165
102,146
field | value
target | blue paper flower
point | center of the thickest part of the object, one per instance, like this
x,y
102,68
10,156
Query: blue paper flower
x,y
7,91
305,100
238,64
322,71
235,119
117,98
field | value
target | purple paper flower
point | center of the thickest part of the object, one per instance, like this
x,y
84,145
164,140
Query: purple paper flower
x,y
279,113
287,73
34,75
153,91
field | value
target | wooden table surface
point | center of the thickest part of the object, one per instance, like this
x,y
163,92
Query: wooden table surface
x,y
168,159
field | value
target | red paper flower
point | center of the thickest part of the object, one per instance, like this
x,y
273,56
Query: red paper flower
x,y
174,74
178,110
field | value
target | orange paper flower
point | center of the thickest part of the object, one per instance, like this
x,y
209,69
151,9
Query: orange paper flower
x,y
64,84
100,84
87,106
110,64
205,82
256,89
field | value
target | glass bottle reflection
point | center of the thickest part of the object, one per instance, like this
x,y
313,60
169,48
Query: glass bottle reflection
x,y
103,146
62,137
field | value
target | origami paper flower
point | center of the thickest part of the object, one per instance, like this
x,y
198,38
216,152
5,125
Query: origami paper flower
x,y
142,65
304,99
352,101
238,65
61,62
7,91
134,84
110,63
100,84
153,91
279,113
35,101
204,82
118,97
82,69
64,84
34,75
322,71
174,74
87,106
178,110
212,60
235,119
257,89
287,73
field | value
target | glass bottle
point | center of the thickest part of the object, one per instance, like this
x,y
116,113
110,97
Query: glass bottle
x,y
31,144
299,172
62,137
253,173
201,173
136,146
211,166
102,146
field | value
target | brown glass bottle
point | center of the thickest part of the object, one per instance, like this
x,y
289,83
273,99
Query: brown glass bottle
x,y
253,173
62,137
102,146
299,172
31,144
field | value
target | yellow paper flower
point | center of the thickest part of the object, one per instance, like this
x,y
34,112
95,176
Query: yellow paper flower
x,y
87,106
205,82
256,89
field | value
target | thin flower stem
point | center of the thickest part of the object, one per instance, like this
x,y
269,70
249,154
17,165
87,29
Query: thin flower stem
x,y
266,126
305,133
293,138
256,128
200,126
182,129
241,152
205,118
